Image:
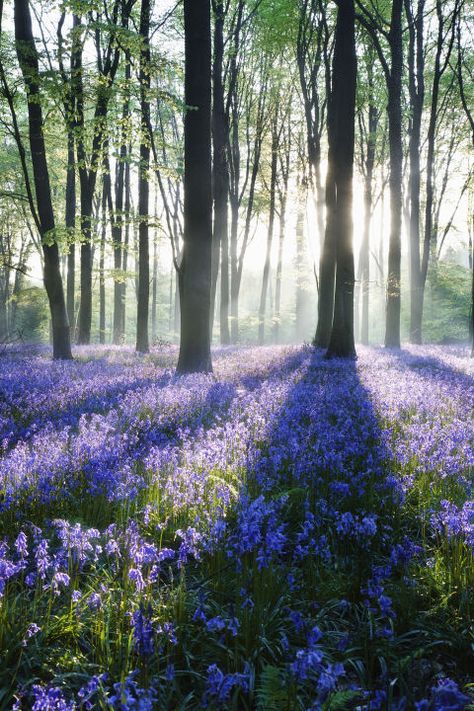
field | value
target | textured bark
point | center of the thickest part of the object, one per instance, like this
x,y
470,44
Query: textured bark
x,y
28,60
195,267
311,47
220,132
392,324
126,241
143,185
118,220
103,233
341,342
70,226
107,62
416,86
327,261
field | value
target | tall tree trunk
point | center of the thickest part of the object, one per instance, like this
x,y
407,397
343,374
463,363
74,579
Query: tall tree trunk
x,y
364,267
221,176
126,242
279,273
341,342
154,295
392,324
28,60
195,267
301,294
327,261
417,92
103,234
118,218
143,185
70,220
271,223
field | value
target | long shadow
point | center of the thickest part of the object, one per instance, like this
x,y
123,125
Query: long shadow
x,y
322,500
104,468
429,366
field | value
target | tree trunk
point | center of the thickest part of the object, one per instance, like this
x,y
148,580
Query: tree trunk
x,y
118,218
221,177
341,342
127,213
154,295
28,60
301,294
368,189
279,272
103,234
416,90
327,261
143,185
70,220
195,267
271,223
392,324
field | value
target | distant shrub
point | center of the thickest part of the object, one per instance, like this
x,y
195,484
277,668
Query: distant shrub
x,y
447,304
32,314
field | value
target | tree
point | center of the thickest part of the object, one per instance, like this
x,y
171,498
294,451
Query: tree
x,y
341,158
143,184
42,206
88,162
375,24
368,117
195,268
220,133
463,70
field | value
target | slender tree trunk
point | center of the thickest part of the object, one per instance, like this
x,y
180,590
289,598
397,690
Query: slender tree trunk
x,y
143,185
341,342
221,177
368,189
28,60
327,261
118,217
154,296
70,226
416,90
103,232
279,272
392,324
271,223
126,243
301,294
195,267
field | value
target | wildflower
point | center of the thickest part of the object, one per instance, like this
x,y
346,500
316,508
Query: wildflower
x,y
143,633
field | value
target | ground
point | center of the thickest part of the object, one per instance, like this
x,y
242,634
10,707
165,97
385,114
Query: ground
x,y
288,533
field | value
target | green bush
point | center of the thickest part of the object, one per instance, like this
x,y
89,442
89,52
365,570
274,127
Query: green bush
x,y
32,314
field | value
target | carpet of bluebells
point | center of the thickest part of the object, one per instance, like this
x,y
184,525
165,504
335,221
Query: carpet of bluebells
x,y
288,533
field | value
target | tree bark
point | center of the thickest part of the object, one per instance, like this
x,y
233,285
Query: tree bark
x,y
118,219
195,267
417,91
221,177
341,342
28,60
103,234
143,185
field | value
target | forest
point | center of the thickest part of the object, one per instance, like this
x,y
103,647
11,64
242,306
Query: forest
x,y
237,355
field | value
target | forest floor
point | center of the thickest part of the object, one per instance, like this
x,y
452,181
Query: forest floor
x,y
289,533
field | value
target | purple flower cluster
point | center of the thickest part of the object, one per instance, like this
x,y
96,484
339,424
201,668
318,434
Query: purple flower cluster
x,y
281,463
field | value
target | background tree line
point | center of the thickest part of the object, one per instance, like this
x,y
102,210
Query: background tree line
x,y
150,153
